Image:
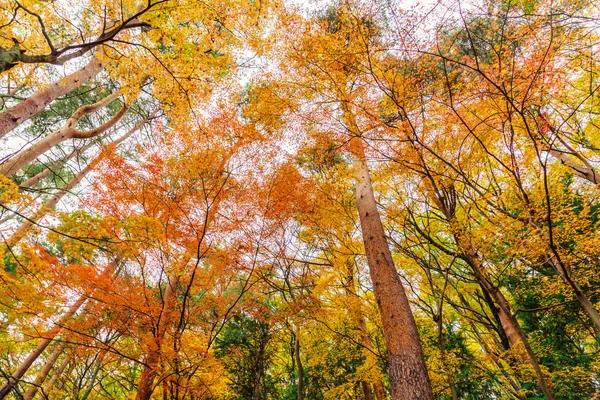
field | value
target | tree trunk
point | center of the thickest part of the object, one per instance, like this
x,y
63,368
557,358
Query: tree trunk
x,y
48,338
565,273
149,373
68,131
26,225
46,388
511,326
365,339
298,359
39,379
407,370
21,112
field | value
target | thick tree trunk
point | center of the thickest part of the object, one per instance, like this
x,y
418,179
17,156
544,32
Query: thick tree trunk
x,y
150,371
21,112
407,370
68,131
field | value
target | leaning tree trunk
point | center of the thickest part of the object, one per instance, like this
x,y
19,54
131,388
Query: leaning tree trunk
x,y
365,340
39,379
407,370
56,375
511,326
445,200
48,338
68,131
21,112
26,225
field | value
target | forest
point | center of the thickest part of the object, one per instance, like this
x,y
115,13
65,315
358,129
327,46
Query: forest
x,y
299,200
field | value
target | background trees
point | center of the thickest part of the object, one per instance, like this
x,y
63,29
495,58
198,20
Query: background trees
x,y
179,217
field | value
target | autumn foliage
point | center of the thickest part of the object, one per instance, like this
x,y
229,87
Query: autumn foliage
x,y
284,200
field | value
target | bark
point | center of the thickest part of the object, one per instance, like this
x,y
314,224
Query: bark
x,y
581,169
26,225
445,200
21,112
511,326
407,370
570,157
46,388
300,368
34,180
150,371
37,178
48,338
365,339
39,379
68,131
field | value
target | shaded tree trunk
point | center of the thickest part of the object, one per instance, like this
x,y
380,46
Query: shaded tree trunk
x,y
365,339
57,374
150,371
300,368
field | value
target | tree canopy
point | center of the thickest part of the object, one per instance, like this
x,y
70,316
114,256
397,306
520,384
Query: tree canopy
x,y
347,199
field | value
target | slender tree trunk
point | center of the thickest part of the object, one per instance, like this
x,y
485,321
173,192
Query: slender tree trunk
x,y
300,368
26,225
445,199
37,178
68,131
48,338
407,370
149,373
565,273
48,171
39,379
21,112
57,374
92,379
511,326
365,339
